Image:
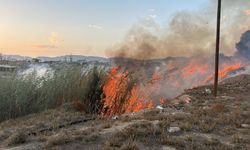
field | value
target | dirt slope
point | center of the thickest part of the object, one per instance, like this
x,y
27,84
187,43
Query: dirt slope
x,y
194,120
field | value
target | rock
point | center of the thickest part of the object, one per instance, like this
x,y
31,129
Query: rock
x,y
208,91
115,117
245,126
160,108
174,129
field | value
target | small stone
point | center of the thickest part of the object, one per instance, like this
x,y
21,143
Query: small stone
x,y
174,129
208,91
245,126
115,117
159,107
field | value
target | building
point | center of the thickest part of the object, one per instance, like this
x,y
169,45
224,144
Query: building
x,y
7,68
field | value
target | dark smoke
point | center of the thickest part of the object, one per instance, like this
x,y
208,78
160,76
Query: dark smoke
x,y
243,46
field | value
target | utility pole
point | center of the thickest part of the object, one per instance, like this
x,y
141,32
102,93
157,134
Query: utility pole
x,y
217,51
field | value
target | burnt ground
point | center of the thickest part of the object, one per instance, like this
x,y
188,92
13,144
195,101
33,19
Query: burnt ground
x,y
197,120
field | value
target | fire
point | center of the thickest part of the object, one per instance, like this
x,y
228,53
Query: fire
x,y
156,77
135,103
163,101
122,95
227,68
194,67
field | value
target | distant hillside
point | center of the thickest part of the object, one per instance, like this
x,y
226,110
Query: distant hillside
x,y
74,58
16,58
58,58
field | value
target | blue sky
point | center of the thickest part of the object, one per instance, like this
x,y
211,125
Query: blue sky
x,y
58,27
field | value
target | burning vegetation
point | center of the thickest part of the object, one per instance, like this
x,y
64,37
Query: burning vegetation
x,y
122,94
125,91
133,86
129,85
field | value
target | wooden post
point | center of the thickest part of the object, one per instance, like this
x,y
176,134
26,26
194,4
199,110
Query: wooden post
x,y
217,51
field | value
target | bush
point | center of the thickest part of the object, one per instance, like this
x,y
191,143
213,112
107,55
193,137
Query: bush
x,y
17,138
22,95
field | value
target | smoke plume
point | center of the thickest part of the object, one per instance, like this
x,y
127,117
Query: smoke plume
x,y
189,33
243,46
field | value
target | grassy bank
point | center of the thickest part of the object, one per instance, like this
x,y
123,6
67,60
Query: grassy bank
x,y
22,95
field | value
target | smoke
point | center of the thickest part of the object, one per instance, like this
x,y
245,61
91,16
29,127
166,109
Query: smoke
x,y
188,40
189,33
244,46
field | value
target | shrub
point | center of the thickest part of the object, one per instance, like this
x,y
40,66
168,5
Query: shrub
x,y
17,138
22,95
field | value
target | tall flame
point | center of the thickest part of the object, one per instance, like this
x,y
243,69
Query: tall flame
x,y
122,95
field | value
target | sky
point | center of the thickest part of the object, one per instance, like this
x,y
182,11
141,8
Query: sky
x,y
85,27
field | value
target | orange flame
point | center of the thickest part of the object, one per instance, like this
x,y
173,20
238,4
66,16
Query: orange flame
x,y
163,101
123,95
135,104
224,71
227,68
194,67
156,77
120,97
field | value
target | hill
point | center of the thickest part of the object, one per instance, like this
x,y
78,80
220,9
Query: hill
x,y
194,120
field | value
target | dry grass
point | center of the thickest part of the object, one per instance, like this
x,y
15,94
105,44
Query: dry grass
x,y
186,126
151,113
59,139
24,95
129,146
171,140
78,106
218,108
17,138
106,125
205,124
4,134
144,132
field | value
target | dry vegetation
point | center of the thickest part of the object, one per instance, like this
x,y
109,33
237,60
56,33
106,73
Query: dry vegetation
x,y
22,95
206,122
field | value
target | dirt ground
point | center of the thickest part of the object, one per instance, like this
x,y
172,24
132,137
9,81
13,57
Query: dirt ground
x,y
194,120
